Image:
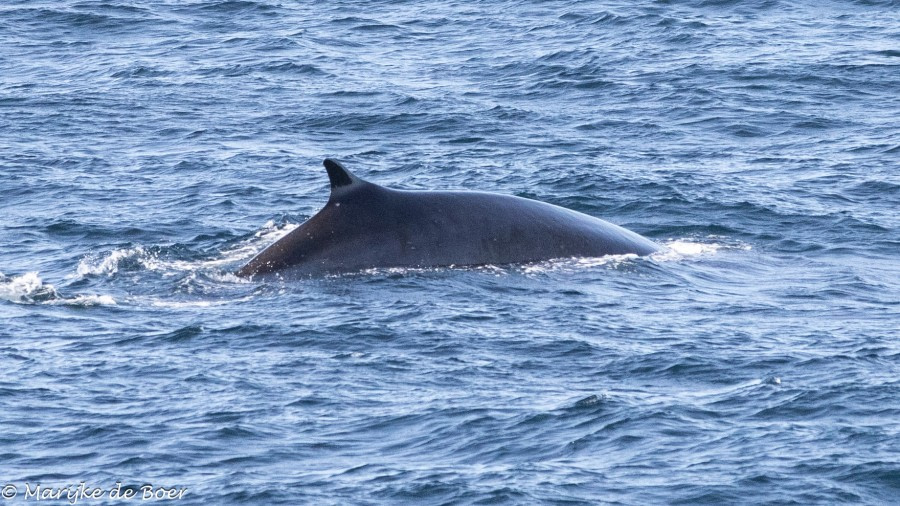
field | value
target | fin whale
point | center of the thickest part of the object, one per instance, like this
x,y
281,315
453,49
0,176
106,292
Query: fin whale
x,y
364,225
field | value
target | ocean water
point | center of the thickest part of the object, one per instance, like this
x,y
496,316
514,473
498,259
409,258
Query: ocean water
x,y
148,149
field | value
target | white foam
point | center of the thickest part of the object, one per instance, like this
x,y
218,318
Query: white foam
x,y
559,264
23,288
226,277
680,249
244,251
686,248
108,264
402,271
29,288
86,301
578,263
268,234
674,250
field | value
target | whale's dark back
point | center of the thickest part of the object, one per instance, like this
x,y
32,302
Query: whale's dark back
x,y
364,225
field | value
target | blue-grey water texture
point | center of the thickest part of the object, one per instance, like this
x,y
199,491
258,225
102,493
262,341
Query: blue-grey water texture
x,y
148,149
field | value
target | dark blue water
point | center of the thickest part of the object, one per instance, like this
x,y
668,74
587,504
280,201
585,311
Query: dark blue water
x,y
147,149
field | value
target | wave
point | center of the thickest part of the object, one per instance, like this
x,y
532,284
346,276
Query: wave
x,y
29,288
672,251
231,7
113,20
682,249
272,67
142,258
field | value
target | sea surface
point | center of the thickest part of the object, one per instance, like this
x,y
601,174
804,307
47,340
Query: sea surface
x,y
148,149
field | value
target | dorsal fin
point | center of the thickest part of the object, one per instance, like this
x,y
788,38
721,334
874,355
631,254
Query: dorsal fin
x,y
339,176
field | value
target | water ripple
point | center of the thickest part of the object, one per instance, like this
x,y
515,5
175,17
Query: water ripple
x,y
152,148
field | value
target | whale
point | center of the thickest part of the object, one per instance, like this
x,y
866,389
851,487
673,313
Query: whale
x,y
364,226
